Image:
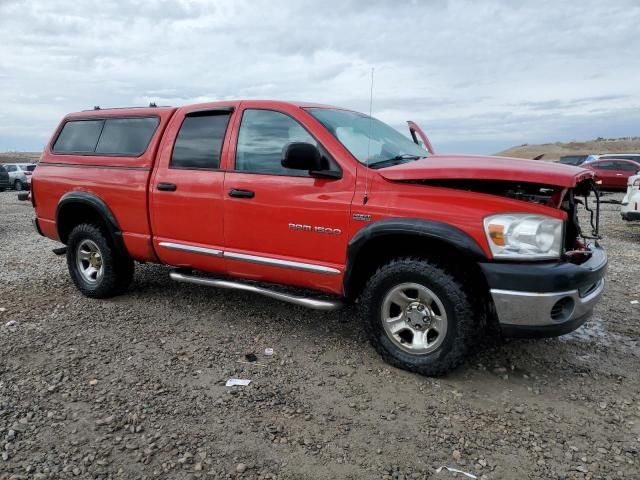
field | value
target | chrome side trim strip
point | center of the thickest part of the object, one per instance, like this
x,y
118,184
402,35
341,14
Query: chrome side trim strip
x,y
517,293
275,262
192,248
313,303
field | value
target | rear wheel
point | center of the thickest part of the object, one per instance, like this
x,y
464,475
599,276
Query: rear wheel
x,y
18,185
96,269
419,316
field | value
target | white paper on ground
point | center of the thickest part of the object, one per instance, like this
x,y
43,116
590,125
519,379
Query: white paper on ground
x,y
455,470
237,382
268,352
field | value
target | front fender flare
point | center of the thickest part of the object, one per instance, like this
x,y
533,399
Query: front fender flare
x,y
428,229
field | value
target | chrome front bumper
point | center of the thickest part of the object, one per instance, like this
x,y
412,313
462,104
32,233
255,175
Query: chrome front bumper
x,y
553,310
545,299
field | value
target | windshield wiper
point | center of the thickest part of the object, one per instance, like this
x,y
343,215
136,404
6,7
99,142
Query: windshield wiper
x,y
397,160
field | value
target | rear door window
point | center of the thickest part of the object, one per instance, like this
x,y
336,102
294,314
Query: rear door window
x,y
126,136
199,141
627,166
78,136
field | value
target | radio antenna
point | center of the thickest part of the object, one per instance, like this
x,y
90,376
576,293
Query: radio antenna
x,y
366,162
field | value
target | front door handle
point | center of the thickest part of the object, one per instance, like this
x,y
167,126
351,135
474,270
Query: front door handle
x,y
167,187
239,193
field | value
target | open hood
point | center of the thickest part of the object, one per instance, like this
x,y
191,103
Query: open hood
x,y
476,167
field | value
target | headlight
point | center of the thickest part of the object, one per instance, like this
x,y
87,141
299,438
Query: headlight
x,y
524,236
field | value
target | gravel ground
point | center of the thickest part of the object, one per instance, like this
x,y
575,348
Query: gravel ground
x,y
134,387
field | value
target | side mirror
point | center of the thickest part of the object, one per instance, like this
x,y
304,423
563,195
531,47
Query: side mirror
x,y
305,156
301,156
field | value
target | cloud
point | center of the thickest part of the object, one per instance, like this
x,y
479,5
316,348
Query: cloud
x,y
478,75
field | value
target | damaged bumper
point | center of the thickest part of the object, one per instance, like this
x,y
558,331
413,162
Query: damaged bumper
x,y
545,299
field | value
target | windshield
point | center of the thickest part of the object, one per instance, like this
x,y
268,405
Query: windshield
x,y
369,140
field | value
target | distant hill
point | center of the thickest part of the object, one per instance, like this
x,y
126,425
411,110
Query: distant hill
x,y
19,157
553,151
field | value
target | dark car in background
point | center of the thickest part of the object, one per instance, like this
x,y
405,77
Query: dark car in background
x,y
573,159
4,179
613,173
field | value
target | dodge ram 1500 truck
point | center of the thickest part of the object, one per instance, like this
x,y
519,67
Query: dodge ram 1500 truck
x,y
263,195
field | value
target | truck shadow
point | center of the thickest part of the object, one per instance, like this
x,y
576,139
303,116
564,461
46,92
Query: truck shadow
x,y
227,312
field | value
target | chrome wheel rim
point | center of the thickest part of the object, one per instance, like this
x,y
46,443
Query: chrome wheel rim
x,y
89,261
414,318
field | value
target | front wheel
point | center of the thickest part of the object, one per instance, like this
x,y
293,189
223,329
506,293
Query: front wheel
x,y
96,269
18,186
419,316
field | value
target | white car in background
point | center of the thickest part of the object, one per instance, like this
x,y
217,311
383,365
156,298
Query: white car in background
x,y
630,209
20,175
610,156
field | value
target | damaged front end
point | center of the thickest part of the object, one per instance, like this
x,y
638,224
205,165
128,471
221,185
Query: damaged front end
x,y
546,271
583,200
576,239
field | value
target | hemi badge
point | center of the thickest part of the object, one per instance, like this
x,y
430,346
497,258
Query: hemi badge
x,y
362,217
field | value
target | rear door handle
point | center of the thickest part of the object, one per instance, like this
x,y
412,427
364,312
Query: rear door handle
x,y
238,193
167,187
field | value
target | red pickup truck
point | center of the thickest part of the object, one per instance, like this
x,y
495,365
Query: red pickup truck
x,y
321,206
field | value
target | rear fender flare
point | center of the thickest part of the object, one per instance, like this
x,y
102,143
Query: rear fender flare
x,y
99,206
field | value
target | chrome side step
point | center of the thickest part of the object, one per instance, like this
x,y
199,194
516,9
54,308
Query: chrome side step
x,y
313,303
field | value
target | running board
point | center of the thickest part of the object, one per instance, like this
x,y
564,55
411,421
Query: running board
x,y
313,303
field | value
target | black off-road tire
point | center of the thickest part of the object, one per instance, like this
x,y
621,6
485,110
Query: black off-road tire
x,y
18,186
464,319
118,269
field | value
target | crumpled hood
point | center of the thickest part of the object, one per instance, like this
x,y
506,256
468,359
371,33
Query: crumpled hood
x,y
476,167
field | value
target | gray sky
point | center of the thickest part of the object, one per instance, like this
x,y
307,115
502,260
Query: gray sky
x,y
478,76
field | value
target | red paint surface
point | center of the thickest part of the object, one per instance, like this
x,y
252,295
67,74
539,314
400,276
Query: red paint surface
x,y
438,167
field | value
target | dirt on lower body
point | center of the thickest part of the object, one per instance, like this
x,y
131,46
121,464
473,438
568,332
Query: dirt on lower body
x,y
134,387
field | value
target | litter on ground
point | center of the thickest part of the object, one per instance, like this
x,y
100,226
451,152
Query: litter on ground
x,y
455,470
237,382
